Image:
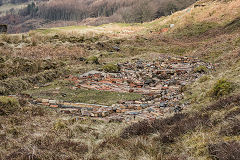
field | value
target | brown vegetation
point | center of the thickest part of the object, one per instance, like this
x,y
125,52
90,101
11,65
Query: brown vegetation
x,y
107,10
223,150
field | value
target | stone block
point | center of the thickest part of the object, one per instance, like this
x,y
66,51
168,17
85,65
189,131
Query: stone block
x,y
45,100
54,106
105,114
65,111
124,110
45,104
52,101
139,108
123,107
66,104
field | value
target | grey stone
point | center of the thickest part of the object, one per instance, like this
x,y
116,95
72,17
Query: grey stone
x,y
116,48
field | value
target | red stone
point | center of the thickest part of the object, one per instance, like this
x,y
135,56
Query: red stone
x,y
54,106
131,90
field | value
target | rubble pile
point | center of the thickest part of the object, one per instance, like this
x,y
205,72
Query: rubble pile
x,y
160,82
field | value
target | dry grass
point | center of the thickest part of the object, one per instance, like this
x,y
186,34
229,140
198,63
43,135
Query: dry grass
x,y
223,150
205,131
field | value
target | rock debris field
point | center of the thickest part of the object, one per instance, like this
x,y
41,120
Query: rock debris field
x,y
160,82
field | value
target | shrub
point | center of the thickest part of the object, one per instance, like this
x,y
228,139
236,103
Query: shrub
x,y
2,59
168,129
3,91
233,113
12,39
92,60
224,103
13,131
8,105
137,129
225,150
112,68
200,69
231,129
38,111
6,38
203,79
22,154
59,125
78,147
221,87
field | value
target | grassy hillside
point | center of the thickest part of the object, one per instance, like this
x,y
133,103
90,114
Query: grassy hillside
x,y
38,64
22,17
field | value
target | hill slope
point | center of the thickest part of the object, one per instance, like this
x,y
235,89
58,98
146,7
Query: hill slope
x,y
22,18
47,63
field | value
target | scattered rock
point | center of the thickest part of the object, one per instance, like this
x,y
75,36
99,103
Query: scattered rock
x,y
160,82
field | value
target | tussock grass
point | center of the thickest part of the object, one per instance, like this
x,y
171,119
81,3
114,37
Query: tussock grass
x,y
221,87
8,105
16,85
112,68
225,150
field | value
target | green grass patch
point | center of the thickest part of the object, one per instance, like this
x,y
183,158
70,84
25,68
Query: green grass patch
x,y
73,27
93,60
203,79
221,88
176,50
237,41
201,69
45,30
194,29
110,67
67,94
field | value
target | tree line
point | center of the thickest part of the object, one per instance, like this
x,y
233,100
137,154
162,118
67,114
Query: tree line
x,y
125,10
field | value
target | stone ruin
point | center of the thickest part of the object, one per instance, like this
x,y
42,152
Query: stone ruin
x,y
3,28
160,82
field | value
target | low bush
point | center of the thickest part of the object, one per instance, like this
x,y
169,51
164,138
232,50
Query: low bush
x,y
11,86
201,69
221,87
8,105
168,129
22,154
232,113
137,129
203,79
232,128
12,39
112,68
225,150
234,25
93,60
223,103
60,125
73,146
